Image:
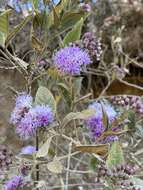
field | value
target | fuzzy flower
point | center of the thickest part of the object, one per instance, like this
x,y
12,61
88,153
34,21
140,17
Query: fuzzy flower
x,y
24,100
14,184
85,7
111,113
22,105
95,124
28,150
26,128
129,102
93,45
39,116
110,139
42,115
71,59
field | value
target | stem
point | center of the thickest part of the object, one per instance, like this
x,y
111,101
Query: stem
x,y
37,148
68,166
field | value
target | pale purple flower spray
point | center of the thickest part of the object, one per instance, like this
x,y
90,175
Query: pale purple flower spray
x,y
38,116
14,183
95,123
22,105
71,59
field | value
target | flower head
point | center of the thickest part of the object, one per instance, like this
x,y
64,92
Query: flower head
x,y
24,100
110,139
38,116
95,123
14,184
28,150
22,105
111,113
5,157
42,115
93,45
85,7
26,128
71,59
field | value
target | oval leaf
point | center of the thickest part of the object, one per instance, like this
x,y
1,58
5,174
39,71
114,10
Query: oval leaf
x,y
77,115
74,34
70,19
45,97
44,149
115,156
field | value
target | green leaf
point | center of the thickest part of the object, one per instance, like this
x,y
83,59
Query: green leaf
x,y
4,26
54,15
132,120
4,21
77,85
70,19
77,115
115,156
74,34
36,44
35,3
61,6
45,97
94,163
17,29
65,91
2,39
139,130
56,18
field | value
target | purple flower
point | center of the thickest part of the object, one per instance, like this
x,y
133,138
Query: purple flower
x,y
39,116
24,100
95,124
85,7
22,105
14,184
110,139
5,157
26,128
93,45
71,59
42,115
28,150
111,113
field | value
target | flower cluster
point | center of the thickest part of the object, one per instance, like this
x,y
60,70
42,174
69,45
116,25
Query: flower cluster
x,y
22,105
28,118
129,102
85,7
93,45
14,184
119,175
71,59
95,123
5,157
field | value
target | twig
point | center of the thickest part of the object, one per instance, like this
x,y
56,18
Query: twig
x,y
37,165
80,172
68,166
